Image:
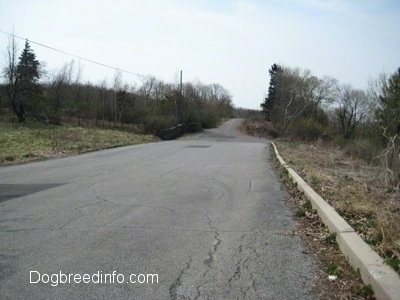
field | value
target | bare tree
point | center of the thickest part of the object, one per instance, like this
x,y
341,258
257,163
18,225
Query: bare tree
x,y
390,158
352,109
102,90
78,101
324,92
294,96
10,74
116,87
58,89
376,86
123,98
148,88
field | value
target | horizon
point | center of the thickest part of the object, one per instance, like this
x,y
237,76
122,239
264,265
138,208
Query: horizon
x,y
232,43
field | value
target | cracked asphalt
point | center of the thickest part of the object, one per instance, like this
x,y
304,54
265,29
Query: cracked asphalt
x,y
207,213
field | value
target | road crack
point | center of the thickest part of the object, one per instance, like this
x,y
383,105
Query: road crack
x,y
209,261
217,241
246,254
178,281
236,274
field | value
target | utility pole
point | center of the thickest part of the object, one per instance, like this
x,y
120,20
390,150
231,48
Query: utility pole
x,y
180,85
115,109
179,97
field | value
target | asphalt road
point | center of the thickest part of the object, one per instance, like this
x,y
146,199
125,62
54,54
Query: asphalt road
x,y
206,213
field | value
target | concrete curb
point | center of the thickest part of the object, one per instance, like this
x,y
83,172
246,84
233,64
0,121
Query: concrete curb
x,y
384,281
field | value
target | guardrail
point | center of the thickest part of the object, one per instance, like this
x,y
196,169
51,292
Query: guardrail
x,y
179,130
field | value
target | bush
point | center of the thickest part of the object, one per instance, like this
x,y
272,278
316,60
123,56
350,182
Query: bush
x,y
310,130
365,149
193,127
209,119
259,128
339,140
156,124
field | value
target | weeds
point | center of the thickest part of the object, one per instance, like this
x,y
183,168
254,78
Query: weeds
x,y
342,281
331,238
307,205
333,269
300,212
305,208
394,262
366,291
353,188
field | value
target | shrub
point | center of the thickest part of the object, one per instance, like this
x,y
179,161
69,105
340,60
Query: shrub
x,y
339,140
365,149
209,119
157,123
259,128
310,130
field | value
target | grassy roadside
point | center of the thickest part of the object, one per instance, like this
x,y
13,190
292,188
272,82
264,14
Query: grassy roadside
x,y
335,279
354,189
36,141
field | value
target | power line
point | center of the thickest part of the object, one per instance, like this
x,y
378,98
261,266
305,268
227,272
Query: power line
x,y
74,55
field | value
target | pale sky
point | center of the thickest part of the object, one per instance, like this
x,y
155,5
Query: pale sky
x,y
228,42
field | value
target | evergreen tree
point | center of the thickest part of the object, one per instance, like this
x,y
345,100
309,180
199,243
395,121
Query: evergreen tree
x,y
388,115
388,118
28,76
269,102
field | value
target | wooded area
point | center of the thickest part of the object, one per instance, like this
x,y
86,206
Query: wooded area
x,y
31,93
365,122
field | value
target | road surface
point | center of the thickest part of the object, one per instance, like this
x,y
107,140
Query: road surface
x,y
206,213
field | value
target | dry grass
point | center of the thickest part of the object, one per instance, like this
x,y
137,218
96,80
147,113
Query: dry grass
x,y
258,128
355,189
36,141
322,246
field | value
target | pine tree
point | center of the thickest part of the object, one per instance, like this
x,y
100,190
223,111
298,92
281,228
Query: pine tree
x,y
388,115
269,102
28,76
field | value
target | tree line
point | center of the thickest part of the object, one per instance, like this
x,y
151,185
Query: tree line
x,y
29,92
299,104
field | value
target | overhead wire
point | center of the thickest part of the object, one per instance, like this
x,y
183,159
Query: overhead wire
x,y
73,55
